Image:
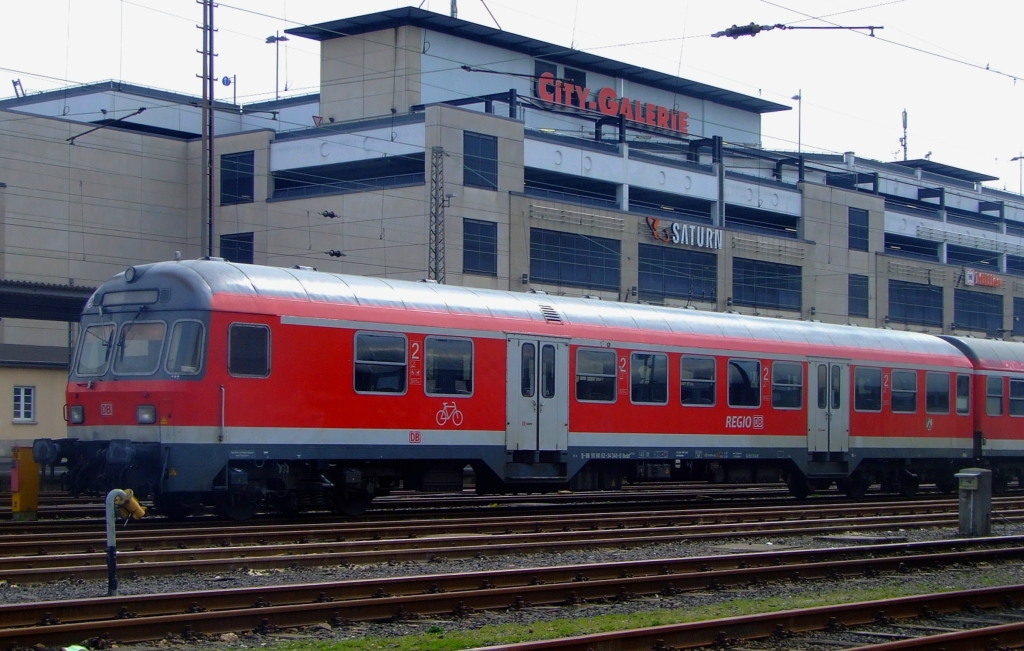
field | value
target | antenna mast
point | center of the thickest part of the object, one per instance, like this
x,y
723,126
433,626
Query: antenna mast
x,y
903,140
455,9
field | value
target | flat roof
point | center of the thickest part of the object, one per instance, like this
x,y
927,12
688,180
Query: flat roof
x,y
532,47
947,170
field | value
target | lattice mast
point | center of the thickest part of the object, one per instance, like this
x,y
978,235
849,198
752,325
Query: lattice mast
x,y
435,263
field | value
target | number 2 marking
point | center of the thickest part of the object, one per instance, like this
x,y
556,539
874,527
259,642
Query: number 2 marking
x,y
415,349
622,364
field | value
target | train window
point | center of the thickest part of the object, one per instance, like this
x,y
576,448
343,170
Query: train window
x,y
648,378
1016,397
904,391
249,350
837,386
138,348
697,381
744,383
822,386
380,363
963,394
787,385
867,389
95,349
547,371
595,375
994,396
449,366
936,393
185,352
529,370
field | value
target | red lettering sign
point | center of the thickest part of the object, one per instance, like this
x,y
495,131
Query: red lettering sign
x,y
606,102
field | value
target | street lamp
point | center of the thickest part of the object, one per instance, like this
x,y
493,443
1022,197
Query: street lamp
x,y
276,40
799,97
1020,179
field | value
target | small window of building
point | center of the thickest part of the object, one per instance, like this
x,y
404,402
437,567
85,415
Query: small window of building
x,y
915,303
867,389
380,363
479,247
936,393
97,342
1016,397
249,350
1018,316
237,247
540,68
697,381
185,352
858,298
595,375
766,284
24,404
978,310
904,391
744,383
994,395
576,78
648,378
787,385
858,240
574,260
479,160
963,394
237,172
138,348
448,366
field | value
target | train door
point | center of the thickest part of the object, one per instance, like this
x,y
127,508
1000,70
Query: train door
x,y
828,409
538,394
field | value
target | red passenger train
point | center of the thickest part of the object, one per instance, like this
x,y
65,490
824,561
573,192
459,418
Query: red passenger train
x,y
206,382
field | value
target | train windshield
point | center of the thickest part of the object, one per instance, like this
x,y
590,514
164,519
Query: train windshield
x,y
138,348
185,353
96,345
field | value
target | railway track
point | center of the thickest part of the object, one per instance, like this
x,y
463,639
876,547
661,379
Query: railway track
x,y
266,609
43,557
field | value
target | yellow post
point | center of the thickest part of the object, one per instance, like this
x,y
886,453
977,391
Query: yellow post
x,y
24,485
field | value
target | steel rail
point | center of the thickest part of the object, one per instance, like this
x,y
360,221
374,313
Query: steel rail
x,y
138,618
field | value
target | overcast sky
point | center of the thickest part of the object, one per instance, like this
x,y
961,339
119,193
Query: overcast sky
x,y
930,59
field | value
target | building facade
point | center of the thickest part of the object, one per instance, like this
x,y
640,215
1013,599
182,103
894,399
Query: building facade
x,y
441,149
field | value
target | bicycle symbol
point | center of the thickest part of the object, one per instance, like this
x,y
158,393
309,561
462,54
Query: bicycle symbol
x,y
449,412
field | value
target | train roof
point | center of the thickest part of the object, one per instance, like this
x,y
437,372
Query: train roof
x,y
206,278
990,354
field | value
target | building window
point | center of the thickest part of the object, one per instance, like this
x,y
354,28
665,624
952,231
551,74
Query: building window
x,y
595,375
1015,265
24,404
867,389
1018,316
380,363
540,68
479,160
237,172
977,311
237,247
649,378
574,260
697,381
915,303
479,247
576,78
449,366
963,394
766,284
676,273
936,393
994,395
858,298
744,383
249,350
904,391
858,240
787,385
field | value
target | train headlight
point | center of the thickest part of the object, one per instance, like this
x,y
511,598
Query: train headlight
x,y
76,414
145,414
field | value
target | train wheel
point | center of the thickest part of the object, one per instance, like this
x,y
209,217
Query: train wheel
x,y
176,506
908,484
799,487
352,503
1000,482
854,488
238,506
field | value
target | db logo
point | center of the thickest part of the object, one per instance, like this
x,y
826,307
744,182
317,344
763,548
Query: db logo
x,y
106,409
414,437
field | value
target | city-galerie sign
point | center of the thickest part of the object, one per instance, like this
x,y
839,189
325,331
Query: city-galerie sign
x,y
606,102
703,237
